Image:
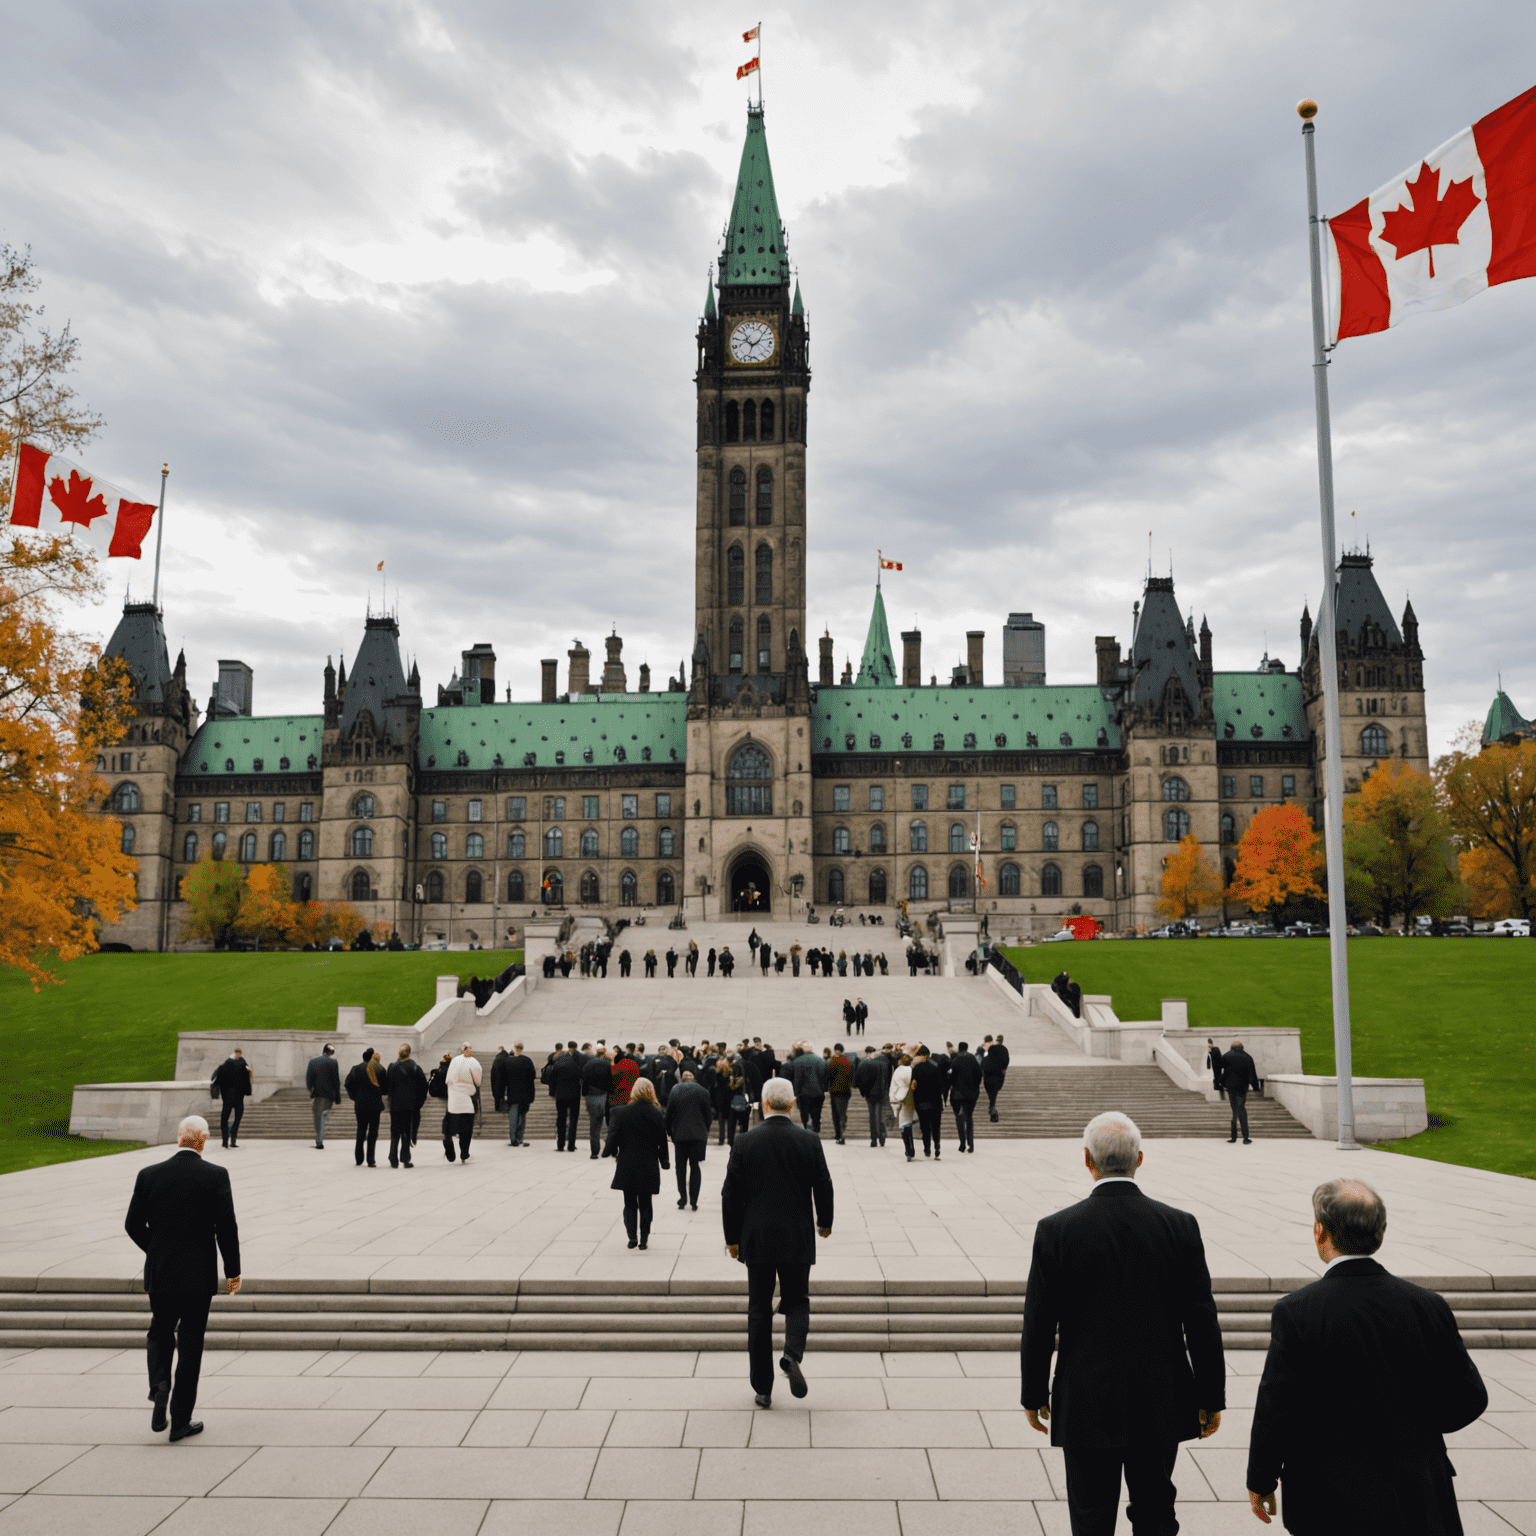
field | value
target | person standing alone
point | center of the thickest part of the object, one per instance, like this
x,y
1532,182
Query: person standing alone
x,y
1238,1076
688,1115
183,1216
463,1082
232,1083
322,1077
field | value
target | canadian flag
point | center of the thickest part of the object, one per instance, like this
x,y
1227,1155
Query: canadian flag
x,y
749,68
57,496
889,565
1460,221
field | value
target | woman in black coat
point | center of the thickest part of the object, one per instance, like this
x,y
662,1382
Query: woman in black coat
x,y
365,1087
637,1141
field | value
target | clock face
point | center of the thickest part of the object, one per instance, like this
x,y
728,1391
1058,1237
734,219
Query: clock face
x,y
753,341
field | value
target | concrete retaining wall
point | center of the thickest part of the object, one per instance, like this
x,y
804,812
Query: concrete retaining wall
x,y
1275,1049
276,1057
148,1112
1386,1108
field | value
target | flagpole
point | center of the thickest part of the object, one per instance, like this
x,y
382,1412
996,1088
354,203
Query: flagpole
x,y
1327,640
165,470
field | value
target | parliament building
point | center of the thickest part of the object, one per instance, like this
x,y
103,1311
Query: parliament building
x,y
750,784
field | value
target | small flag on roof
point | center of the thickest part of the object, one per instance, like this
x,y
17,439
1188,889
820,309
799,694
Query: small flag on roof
x,y
749,68
747,37
888,565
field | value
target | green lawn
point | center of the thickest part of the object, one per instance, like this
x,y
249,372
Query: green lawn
x,y
116,1017
1456,1012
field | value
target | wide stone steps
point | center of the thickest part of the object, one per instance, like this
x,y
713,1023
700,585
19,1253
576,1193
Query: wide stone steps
x,y
1035,1102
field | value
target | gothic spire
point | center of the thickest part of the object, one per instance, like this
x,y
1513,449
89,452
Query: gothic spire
x,y
754,251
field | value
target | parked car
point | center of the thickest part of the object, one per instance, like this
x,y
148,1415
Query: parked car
x,y
1368,931
1512,928
1306,931
1065,936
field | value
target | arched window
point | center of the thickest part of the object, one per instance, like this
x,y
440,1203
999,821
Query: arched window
x,y
362,807
835,887
128,841
735,652
439,845
1050,881
435,885
749,420
1373,741
247,848
733,423
306,846
738,503
959,882
1008,880
589,844
1175,826
919,836
1093,881
956,837
362,842
278,850
362,889
517,845
629,843
515,886
917,883
219,843
1228,828
666,890
554,843
762,591
735,575
877,838
189,848
474,887
764,643
629,889
749,790
666,842
589,888
840,842
1010,837
1090,836
1050,837
765,421
1174,788
125,797
474,846
877,887
553,888
764,496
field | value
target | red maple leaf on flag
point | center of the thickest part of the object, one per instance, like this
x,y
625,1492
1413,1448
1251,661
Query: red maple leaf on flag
x,y
1432,220
74,501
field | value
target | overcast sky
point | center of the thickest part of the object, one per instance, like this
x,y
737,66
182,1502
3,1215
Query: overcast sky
x,y
419,283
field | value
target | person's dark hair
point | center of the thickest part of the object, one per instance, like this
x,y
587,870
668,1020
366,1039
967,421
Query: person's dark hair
x,y
964,1046
924,1052
1352,1214
327,1050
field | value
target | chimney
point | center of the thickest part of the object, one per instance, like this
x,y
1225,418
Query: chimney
x,y
233,688
912,658
550,666
477,674
645,677
973,640
581,661
826,678
614,680
1108,651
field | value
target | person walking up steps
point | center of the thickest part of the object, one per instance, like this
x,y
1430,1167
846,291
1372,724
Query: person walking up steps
x,y
521,1079
869,1079
928,1098
322,1077
1238,1076
964,1091
688,1116
902,1102
994,1068
232,1087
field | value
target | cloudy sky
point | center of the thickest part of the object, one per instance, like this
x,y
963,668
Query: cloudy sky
x,y
418,283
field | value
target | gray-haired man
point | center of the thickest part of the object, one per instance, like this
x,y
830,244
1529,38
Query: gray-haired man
x,y
323,1079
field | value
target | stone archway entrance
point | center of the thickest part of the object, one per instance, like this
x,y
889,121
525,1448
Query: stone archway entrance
x,y
751,890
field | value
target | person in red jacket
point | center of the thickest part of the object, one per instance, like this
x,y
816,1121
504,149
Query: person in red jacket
x,y
625,1070
839,1089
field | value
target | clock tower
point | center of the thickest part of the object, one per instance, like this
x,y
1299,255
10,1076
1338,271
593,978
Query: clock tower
x,y
749,811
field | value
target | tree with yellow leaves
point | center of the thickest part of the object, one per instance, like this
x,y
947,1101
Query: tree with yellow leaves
x,y
1492,799
266,904
1277,860
1190,882
214,893
1397,850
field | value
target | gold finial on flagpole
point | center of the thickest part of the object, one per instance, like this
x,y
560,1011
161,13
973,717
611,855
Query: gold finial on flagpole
x,y
1306,109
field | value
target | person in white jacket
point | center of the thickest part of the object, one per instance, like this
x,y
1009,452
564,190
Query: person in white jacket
x,y
463,1081
902,1102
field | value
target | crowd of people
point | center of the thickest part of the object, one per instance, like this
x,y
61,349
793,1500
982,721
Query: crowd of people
x,y
593,958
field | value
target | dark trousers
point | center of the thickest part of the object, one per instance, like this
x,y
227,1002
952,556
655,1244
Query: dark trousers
x,y
415,1125
930,1116
1238,1099
321,1108
367,1131
462,1126
517,1123
176,1327
810,1111
839,1114
566,1111
1093,1489
597,1117
876,1121
794,1282
399,1140
965,1128
994,1086
737,1120
230,1116
637,1204
690,1175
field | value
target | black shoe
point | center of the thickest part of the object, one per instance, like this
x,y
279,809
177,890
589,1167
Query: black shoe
x,y
693,1207
763,1400
408,1165
682,1203
160,1397
634,1242
993,1117
465,1158
791,1368
1231,1140
394,1163
181,1431
644,1242
926,1152
596,1156
1247,1141
936,1155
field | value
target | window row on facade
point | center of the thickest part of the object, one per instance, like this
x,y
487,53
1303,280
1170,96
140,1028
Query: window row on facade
x,y
563,807
958,883
959,836
1258,786
225,810
584,845
475,887
749,421
956,798
248,847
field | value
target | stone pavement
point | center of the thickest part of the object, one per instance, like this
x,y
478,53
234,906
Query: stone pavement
x,y
374,1444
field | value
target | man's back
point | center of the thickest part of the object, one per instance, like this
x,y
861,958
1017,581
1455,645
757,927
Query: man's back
x,y
1124,1280
808,1072
565,1076
1238,1070
688,1112
521,1078
182,1211
1393,1352
777,1193
965,1077
322,1077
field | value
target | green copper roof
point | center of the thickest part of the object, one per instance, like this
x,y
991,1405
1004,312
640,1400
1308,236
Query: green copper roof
x,y
709,299
245,744
755,236
797,308
877,669
1503,720
1258,706
858,720
599,731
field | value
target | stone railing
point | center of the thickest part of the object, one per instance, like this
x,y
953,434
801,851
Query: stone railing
x,y
1386,1108
148,1112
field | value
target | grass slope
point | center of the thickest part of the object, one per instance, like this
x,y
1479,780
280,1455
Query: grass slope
x,y
1457,1013
116,1018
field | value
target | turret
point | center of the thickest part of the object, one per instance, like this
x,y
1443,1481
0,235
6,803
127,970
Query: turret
x,y
1410,627
825,674
1306,633
332,705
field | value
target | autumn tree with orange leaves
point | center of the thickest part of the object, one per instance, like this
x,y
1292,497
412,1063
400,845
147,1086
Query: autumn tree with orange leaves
x,y
1277,860
1190,882
1397,849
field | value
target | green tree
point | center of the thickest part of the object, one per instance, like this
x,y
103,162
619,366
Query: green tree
x,y
214,893
1397,848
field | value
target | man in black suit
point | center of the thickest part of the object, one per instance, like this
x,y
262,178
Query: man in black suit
x,y
1139,1365
1213,1061
322,1077
775,1176
232,1079
1394,1350
1238,1075
565,1086
994,1067
964,1090
181,1210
